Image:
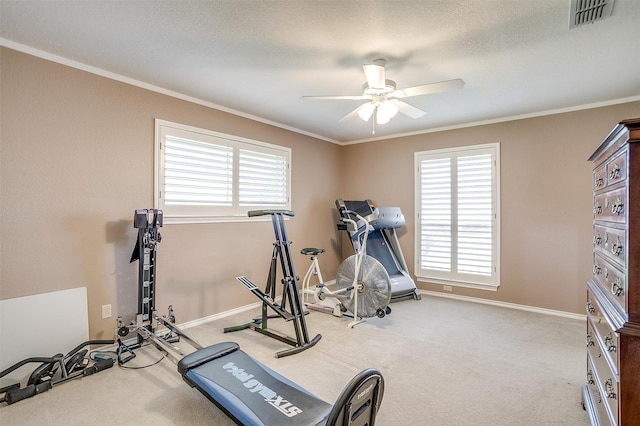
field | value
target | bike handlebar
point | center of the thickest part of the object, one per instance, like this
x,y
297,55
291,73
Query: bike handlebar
x,y
253,213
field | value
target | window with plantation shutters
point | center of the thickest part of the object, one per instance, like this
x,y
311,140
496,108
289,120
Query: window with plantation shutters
x,y
457,232
263,179
197,173
205,176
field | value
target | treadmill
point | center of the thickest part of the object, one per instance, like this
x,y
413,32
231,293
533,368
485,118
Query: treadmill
x,y
382,243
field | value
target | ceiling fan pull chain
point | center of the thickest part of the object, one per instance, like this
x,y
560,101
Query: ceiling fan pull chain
x,y
373,122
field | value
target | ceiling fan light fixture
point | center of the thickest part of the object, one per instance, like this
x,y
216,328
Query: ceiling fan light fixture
x,y
388,108
381,117
366,111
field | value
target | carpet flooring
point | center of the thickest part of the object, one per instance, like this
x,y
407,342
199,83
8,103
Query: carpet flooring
x,y
445,362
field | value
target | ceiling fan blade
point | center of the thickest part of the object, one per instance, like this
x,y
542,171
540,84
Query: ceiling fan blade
x,y
375,76
347,97
351,115
409,110
426,89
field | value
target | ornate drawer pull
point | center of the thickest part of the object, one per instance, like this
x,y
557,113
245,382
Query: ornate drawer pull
x,y
596,269
597,239
590,308
617,289
609,342
598,181
590,377
608,388
597,209
589,340
617,207
615,172
616,248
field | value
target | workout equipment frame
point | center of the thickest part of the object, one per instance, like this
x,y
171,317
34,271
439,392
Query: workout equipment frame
x,y
148,222
383,244
362,276
318,297
290,292
54,370
363,287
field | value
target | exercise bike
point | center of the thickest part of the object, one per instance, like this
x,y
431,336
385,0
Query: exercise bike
x,y
317,297
363,286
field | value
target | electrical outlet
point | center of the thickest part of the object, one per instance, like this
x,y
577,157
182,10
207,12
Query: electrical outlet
x,y
447,288
106,311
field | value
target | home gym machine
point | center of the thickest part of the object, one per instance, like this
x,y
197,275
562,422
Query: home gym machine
x,y
55,370
148,222
249,392
290,292
383,244
363,287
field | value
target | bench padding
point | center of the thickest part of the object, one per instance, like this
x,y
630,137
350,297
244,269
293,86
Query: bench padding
x,y
248,391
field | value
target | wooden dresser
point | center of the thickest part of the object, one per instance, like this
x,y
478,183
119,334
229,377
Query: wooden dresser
x,y
612,393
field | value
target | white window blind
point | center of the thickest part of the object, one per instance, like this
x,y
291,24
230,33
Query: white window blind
x,y
475,214
263,179
197,173
204,176
457,239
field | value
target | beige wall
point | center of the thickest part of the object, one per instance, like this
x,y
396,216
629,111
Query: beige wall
x,y
546,203
76,159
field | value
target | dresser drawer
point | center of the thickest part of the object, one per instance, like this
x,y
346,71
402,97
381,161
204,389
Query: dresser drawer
x,y
605,379
616,168
600,333
611,206
600,405
611,242
611,278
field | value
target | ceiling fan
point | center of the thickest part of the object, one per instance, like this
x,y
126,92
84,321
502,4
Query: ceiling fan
x,y
383,97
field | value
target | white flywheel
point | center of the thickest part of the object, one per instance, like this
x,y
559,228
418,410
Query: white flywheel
x,y
373,286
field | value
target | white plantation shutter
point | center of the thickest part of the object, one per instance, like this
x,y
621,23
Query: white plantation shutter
x,y
263,179
435,218
475,214
457,232
197,173
204,176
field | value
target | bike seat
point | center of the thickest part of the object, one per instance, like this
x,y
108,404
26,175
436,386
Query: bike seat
x,y
311,251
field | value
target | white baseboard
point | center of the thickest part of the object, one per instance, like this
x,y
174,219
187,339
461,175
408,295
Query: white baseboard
x,y
506,305
204,320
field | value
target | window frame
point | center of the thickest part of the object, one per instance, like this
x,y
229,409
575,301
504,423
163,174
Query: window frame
x,y
453,278
236,212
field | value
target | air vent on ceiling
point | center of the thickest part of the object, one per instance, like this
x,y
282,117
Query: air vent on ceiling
x,y
589,11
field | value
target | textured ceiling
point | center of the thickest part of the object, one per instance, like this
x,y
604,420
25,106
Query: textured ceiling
x,y
258,58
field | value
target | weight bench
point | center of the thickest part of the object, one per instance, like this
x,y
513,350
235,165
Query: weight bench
x,y
251,393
